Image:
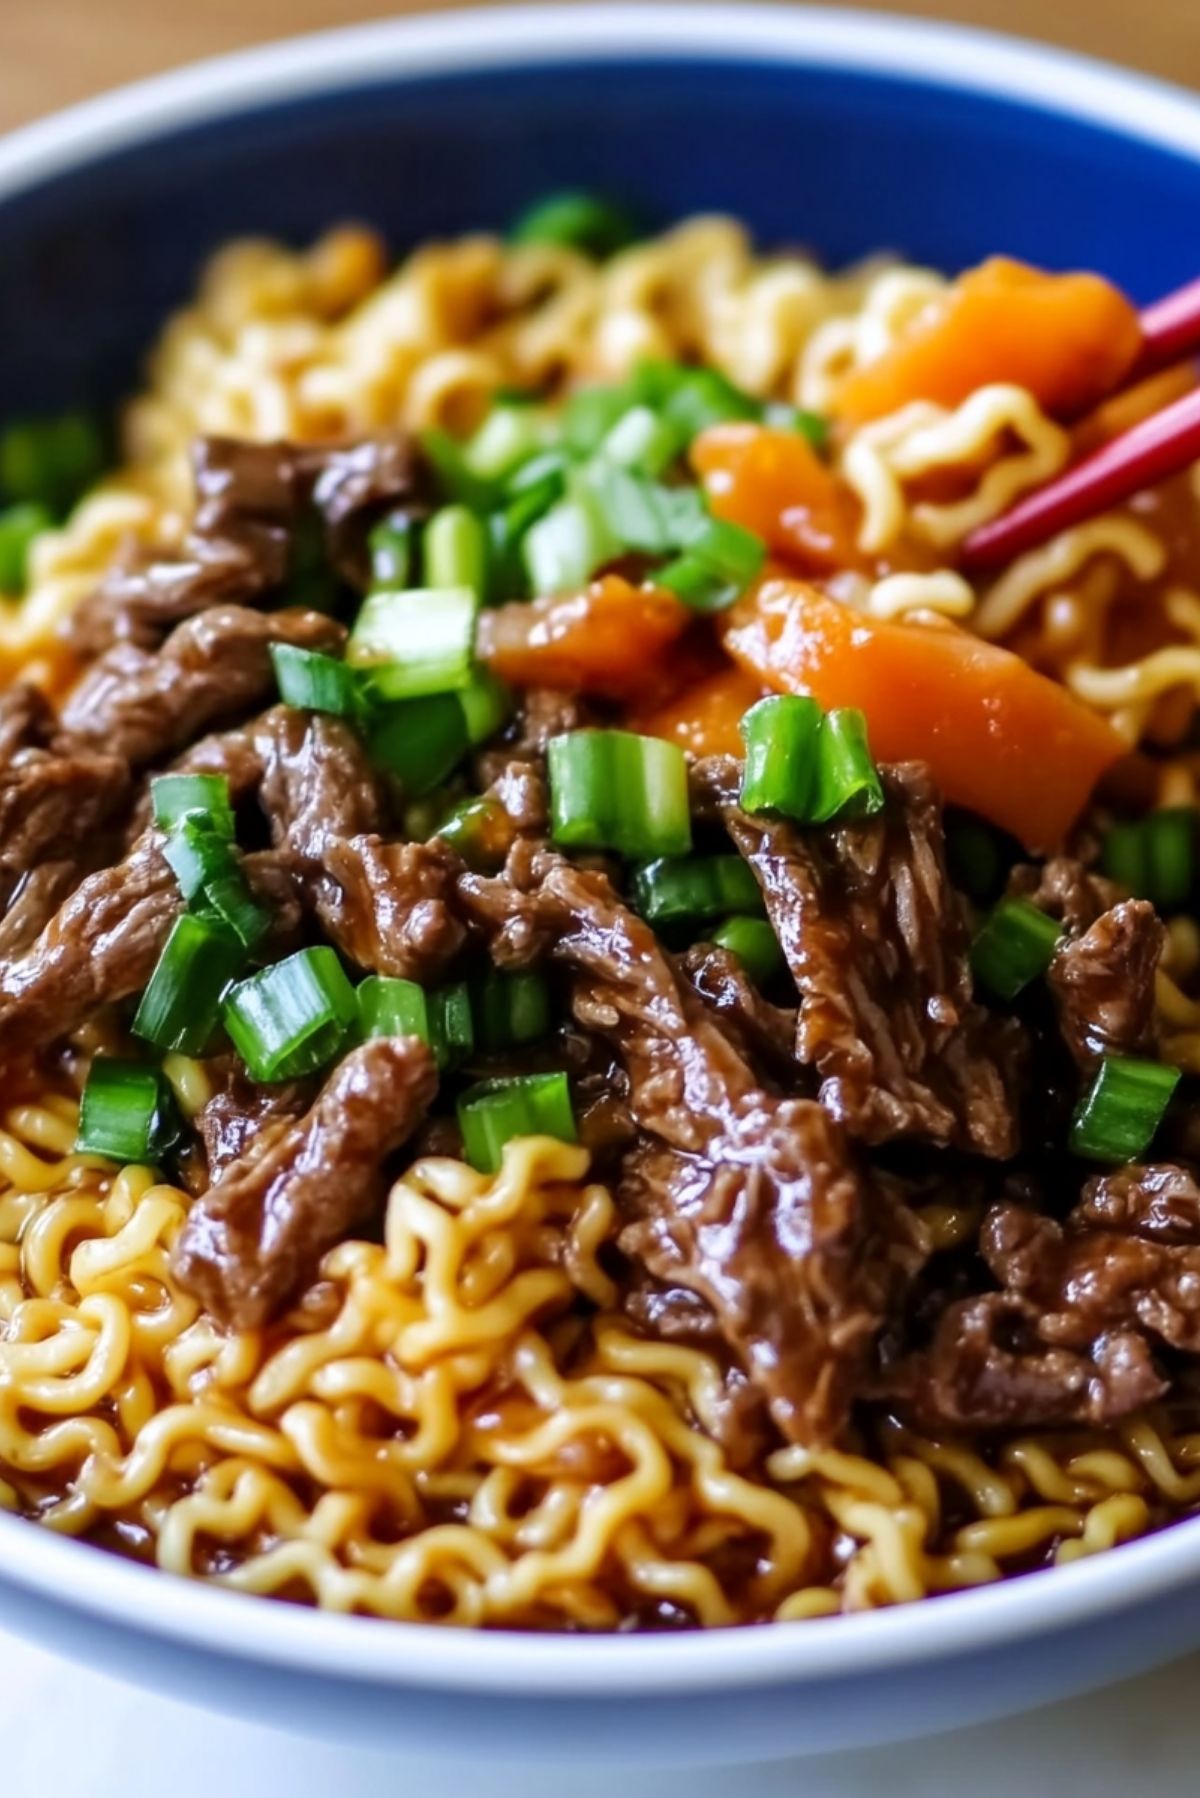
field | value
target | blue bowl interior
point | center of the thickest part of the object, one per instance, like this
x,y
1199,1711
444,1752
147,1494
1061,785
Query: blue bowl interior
x,y
844,162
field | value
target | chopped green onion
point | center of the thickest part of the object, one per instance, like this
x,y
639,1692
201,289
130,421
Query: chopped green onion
x,y
497,1112
442,1019
507,529
175,796
590,413
783,417
1015,945
577,220
545,473
126,1114
695,583
228,898
456,478
1156,858
782,737
511,1009
316,682
479,830
50,461
565,547
641,441
415,643
20,527
670,891
451,1024
701,398
730,550
392,547
610,789
974,857
419,741
508,436
180,1006
486,704
293,1017
454,550
756,946
848,784
1118,1116
641,514
197,853
311,579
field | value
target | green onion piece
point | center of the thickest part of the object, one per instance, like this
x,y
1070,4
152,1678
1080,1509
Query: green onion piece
x,y
546,473
783,417
578,220
180,1007
848,784
392,547
782,737
293,1017
454,475
479,830
1119,1114
1015,945
610,789
565,548
391,1007
641,514
974,857
486,705
497,1112
51,461
694,583
508,436
670,891
756,946
730,550
174,796
1155,857
20,527
506,532
703,398
641,441
419,741
126,1113
228,898
451,1024
311,579
590,413
511,1009
198,853
454,551
415,643
316,682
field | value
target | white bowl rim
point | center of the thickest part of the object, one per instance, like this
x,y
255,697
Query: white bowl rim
x,y
506,1663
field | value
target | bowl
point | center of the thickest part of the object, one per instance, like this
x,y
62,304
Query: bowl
x,y
847,131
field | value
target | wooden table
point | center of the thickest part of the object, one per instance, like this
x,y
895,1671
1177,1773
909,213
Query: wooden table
x,y
56,51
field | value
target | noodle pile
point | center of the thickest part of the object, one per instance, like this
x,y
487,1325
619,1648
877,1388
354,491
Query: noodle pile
x,y
455,1424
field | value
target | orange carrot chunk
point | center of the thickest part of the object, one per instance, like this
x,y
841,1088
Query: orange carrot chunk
x,y
774,483
1070,339
611,640
704,718
999,738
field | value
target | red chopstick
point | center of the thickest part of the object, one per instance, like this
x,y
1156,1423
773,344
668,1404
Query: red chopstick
x,y
1158,446
1170,330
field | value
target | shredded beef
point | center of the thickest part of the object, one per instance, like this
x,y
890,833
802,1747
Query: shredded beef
x,y
752,1202
237,1117
765,1034
1065,890
144,705
256,1236
876,942
252,500
1103,984
1084,1304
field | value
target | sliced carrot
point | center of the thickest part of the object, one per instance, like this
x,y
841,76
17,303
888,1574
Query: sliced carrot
x,y
610,640
704,718
999,738
1070,339
774,483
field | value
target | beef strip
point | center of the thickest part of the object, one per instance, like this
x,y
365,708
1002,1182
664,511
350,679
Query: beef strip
x,y
1065,889
752,1202
542,713
764,1034
144,705
1103,984
877,945
252,499
1084,1304
386,905
252,1241
238,1115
